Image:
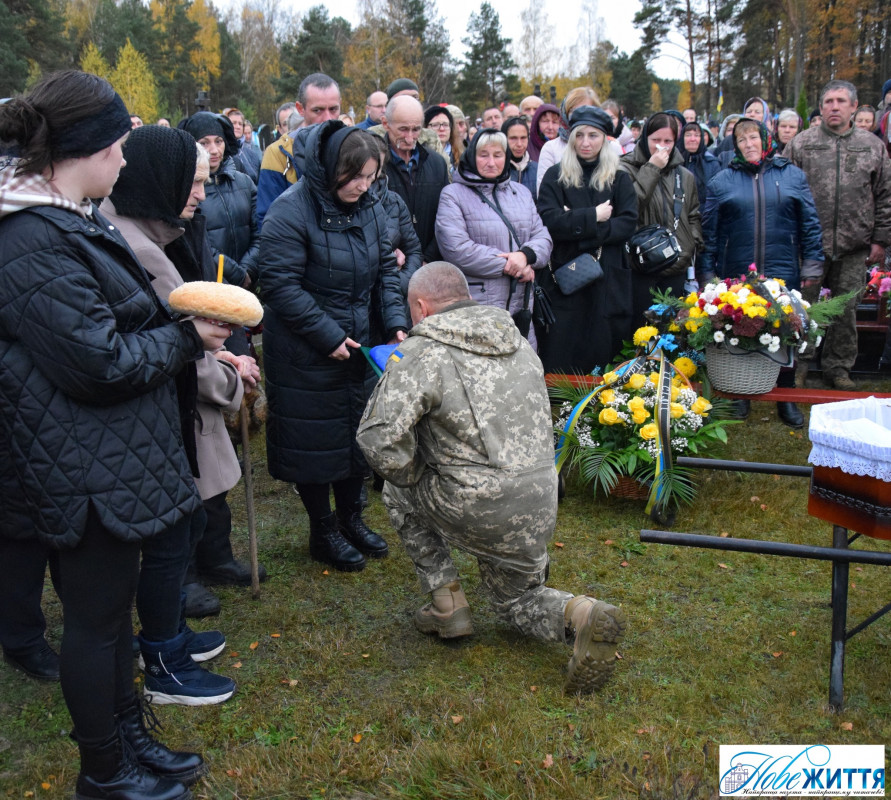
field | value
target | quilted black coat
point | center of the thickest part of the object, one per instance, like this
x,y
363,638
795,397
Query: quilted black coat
x,y
88,410
230,210
327,274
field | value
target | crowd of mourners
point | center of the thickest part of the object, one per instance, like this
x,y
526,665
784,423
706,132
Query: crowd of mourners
x,y
117,460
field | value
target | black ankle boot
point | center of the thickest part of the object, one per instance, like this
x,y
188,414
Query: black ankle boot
x,y
181,766
110,770
327,544
741,409
790,415
358,534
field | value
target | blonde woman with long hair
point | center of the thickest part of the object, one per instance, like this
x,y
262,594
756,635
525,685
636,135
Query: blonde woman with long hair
x,y
588,206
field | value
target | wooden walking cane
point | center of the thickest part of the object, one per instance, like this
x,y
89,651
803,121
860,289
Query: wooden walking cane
x,y
249,500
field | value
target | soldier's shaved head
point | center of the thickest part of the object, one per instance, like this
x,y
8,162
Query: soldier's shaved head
x,y
435,286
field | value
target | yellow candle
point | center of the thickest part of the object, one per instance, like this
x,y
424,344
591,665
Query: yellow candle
x,y
220,269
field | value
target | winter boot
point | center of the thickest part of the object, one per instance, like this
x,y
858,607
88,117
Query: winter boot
x,y
327,544
360,536
598,627
151,754
109,771
447,615
171,676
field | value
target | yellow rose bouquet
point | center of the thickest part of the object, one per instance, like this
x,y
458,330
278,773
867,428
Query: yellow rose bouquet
x,y
614,431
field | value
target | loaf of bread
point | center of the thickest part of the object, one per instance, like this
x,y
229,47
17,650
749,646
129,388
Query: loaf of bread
x,y
219,301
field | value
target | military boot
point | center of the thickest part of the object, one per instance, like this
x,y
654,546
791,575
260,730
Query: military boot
x,y
447,615
598,628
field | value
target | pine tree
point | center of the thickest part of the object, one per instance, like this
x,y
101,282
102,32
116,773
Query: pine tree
x,y
318,46
487,75
93,61
133,81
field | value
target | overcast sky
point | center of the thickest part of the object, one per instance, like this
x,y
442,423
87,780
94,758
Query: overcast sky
x,y
564,15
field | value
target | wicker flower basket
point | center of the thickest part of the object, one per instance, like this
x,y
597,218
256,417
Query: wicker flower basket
x,y
740,373
630,489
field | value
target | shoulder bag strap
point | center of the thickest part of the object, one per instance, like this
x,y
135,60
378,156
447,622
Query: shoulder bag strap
x,y
678,197
512,234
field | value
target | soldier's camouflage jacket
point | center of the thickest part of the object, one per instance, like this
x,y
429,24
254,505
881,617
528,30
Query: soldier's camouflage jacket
x,y
850,179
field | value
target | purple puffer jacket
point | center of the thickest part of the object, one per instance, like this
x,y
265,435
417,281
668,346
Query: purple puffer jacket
x,y
470,235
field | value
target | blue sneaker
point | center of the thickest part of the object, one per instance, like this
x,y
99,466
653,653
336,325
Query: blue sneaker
x,y
171,676
202,645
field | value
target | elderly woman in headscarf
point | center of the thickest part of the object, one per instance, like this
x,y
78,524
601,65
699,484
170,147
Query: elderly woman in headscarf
x,y
230,208
760,210
487,226
154,205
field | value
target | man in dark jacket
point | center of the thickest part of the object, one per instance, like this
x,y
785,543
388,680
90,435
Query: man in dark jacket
x,y
415,174
850,178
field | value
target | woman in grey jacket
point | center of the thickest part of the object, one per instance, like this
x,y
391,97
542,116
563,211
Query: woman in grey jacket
x,y
472,233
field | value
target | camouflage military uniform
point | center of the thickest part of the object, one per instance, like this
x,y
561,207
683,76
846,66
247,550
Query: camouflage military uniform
x,y
461,430
850,179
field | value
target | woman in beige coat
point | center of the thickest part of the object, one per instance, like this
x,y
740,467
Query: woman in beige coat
x,y
154,209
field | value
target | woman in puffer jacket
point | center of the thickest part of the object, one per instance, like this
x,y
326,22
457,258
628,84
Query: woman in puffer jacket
x,y
760,210
93,452
656,166
472,233
230,207
329,280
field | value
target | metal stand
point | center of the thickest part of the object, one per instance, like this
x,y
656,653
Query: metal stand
x,y
840,554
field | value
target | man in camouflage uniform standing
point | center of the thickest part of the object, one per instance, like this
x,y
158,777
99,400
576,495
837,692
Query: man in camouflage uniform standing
x,y
461,429
850,178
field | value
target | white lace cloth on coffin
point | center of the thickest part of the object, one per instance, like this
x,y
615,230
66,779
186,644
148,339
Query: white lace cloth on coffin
x,y
853,436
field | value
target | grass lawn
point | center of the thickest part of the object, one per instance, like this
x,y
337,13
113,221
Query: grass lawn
x,y
340,697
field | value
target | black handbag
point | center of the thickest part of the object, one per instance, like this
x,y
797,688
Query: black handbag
x,y
542,313
582,271
522,318
654,248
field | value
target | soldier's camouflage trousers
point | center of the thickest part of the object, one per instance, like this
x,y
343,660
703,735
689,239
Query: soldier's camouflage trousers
x,y
513,569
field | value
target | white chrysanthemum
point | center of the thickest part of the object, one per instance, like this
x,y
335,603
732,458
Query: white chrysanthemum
x,y
728,327
734,341
772,347
711,309
773,287
765,338
775,340
803,347
719,336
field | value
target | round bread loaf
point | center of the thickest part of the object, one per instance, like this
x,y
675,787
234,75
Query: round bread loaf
x,y
220,301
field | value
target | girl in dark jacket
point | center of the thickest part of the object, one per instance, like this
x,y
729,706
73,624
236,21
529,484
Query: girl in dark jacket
x,y
329,275
588,206
89,418
230,207
761,211
655,166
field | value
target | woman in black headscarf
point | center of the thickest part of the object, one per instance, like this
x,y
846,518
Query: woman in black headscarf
x,y
230,208
330,285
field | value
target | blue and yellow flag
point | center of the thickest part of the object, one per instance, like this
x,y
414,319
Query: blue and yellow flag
x,y
720,99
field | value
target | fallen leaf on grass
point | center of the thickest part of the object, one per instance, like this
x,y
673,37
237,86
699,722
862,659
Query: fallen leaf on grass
x,y
858,569
793,633
724,534
642,731
276,635
44,785
254,645
571,726
755,498
325,572
618,655
646,756
457,718
518,763
722,566
763,507
624,564
548,761
233,773
533,688
609,541
233,654
558,544
237,665
777,654
357,738
366,655
29,794
847,726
